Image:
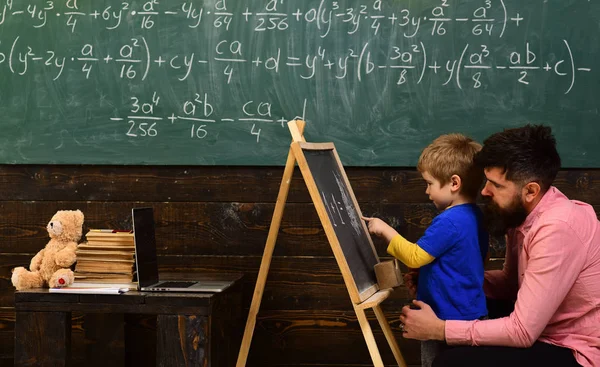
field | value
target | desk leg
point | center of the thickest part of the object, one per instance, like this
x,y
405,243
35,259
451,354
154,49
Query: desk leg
x,y
181,340
139,333
103,337
42,339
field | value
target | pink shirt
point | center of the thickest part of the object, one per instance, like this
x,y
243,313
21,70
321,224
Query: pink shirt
x,y
552,268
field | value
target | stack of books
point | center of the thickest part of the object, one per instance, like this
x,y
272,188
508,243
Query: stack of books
x,y
108,256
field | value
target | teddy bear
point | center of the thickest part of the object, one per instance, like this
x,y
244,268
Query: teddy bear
x,y
51,266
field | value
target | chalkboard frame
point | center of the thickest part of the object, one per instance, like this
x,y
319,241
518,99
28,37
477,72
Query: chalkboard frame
x,y
298,149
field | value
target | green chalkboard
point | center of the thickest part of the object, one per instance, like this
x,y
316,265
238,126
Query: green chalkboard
x,y
213,82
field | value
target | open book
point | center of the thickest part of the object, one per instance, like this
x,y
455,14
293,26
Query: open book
x,y
95,288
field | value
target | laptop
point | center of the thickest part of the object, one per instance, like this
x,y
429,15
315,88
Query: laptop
x,y
147,265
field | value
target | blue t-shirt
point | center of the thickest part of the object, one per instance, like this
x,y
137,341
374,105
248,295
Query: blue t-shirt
x,y
453,283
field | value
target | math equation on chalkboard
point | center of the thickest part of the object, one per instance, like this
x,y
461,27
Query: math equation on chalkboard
x,y
224,72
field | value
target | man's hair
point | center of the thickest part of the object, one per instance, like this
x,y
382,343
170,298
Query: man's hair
x,y
453,154
526,154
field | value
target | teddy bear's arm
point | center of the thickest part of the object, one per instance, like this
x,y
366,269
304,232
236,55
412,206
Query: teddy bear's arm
x,y
36,261
66,257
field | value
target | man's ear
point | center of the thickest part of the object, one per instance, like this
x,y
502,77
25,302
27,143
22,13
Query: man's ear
x,y
531,191
455,183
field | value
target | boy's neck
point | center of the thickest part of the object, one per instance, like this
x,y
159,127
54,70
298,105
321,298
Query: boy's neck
x,y
460,200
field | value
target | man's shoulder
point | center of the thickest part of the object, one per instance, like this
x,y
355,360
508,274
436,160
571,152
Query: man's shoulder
x,y
562,209
564,214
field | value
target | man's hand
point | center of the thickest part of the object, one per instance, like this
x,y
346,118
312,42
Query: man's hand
x,y
411,279
380,228
422,323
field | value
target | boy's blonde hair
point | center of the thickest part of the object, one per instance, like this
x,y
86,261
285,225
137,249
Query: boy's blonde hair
x,y
453,154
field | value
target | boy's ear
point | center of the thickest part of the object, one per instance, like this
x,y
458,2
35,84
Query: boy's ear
x,y
455,183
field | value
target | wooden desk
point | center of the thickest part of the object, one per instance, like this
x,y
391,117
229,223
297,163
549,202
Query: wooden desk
x,y
192,329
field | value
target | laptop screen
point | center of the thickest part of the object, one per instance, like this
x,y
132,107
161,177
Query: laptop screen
x,y
145,246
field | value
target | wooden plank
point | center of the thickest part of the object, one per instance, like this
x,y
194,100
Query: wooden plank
x,y
139,333
190,183
7,263
125,183
217,228
79,342
365,327
227,328
7,335
223,183
103,335
182,341
111,308
311,337
206,228
294,333
374,300
315,337
211,228
7,343
389,335
42,339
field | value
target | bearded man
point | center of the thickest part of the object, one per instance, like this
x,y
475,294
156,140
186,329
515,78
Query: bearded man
x,y
551,270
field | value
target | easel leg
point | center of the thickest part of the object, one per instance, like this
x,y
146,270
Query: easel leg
x,y
369,338
266,259
389,335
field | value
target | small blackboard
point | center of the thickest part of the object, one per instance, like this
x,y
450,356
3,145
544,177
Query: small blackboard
x,y
340,215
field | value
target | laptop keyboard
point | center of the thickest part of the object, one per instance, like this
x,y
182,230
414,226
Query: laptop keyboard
x,y
175,284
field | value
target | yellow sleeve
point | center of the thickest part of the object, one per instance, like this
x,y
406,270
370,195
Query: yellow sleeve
x,y
409,253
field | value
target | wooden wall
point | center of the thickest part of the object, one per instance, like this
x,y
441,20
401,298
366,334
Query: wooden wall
x,y
215,219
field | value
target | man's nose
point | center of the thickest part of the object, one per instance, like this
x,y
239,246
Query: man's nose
x,y
485,191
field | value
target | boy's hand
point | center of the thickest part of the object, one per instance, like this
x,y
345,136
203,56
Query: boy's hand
x,y
376,226
380,228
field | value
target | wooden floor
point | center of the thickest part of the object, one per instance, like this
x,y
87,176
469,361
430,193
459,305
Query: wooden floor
x,y
216,219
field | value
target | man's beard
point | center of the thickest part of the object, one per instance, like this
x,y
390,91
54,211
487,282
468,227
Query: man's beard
x,y
499,220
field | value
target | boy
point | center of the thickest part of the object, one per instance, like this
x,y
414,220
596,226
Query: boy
x,y
451,252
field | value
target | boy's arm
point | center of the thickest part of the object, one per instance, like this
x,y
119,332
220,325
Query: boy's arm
x,y
380,228
411,254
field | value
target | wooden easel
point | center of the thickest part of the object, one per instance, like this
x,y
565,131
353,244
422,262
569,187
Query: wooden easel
x,y
373,301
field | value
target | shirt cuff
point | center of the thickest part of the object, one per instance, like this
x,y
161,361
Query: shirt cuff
x,y
459,332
